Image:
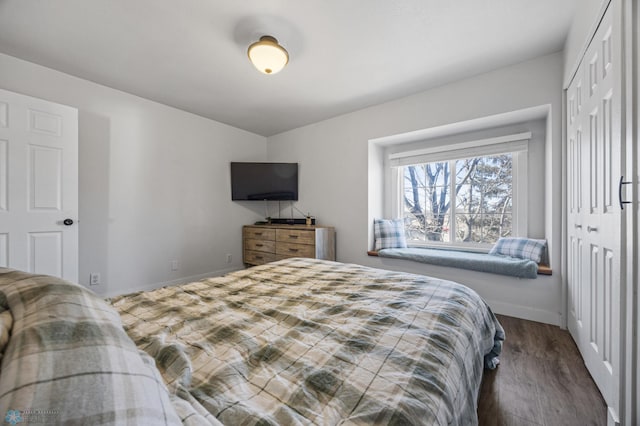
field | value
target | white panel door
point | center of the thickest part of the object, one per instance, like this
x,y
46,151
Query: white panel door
x,y
594,216
38,186
575,237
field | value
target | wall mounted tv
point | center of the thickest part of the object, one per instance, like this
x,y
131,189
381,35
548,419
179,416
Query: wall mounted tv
x,y
264,181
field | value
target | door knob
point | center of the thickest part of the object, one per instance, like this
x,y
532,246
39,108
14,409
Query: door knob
x,y
68,222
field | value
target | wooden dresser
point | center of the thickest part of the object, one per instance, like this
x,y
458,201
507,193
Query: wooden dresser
x,y
267,243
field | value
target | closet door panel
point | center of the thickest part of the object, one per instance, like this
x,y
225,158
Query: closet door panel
x,y
593,216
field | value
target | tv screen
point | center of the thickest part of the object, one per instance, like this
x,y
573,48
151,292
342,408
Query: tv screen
x,y
264,181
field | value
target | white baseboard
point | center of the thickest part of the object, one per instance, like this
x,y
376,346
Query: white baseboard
x,y
182,280
525,312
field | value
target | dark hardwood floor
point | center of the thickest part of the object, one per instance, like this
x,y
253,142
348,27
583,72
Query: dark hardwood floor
x,y
541,380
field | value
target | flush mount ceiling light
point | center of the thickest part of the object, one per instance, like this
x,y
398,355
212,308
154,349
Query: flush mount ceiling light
x,y
267,55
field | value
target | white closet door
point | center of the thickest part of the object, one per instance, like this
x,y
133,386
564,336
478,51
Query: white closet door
x,y
38,186
577,166
594,216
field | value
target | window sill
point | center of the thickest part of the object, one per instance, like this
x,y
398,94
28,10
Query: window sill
x,y
542,268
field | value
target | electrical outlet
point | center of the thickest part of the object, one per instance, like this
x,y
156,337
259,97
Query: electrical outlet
x,y
229,258
94,278
175,265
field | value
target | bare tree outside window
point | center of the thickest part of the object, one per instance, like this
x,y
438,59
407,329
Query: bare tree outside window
x,y
480,210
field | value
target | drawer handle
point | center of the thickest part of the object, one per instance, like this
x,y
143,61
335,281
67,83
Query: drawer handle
x,y
293,236
259,257
591,229
259,245
293,250
257,233
578,226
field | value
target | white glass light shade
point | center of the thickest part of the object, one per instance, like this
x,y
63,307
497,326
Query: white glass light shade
x,y
267,55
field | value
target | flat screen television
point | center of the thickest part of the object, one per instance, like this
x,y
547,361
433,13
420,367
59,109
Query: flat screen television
x,y
264,181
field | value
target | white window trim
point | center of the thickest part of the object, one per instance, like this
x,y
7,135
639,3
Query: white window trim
x,y
497,145
517,144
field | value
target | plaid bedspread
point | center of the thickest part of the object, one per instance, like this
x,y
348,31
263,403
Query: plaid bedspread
x,y
304,341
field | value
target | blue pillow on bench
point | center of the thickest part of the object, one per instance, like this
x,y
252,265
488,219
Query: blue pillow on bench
x,y
522,248
389,233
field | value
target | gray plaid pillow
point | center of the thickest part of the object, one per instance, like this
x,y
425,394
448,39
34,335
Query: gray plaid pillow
x,y
69,358
389,233
523,248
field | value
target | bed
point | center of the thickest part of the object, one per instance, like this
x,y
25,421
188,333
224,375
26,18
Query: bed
x,y
294,342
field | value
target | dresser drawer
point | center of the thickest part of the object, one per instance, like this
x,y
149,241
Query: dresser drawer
x,y
259,233
260,245
297,236
295,250
258,257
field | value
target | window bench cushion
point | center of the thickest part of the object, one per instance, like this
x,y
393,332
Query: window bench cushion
x,y
482,262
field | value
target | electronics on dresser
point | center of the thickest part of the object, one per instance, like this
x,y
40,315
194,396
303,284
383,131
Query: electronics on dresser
x,y
264,181
291,221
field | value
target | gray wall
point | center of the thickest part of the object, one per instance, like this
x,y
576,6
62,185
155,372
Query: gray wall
x,y
333,154
154,182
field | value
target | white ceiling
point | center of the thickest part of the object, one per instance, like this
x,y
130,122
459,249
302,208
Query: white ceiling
x,y
344,54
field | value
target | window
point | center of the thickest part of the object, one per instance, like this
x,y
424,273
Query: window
x,y
466,197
